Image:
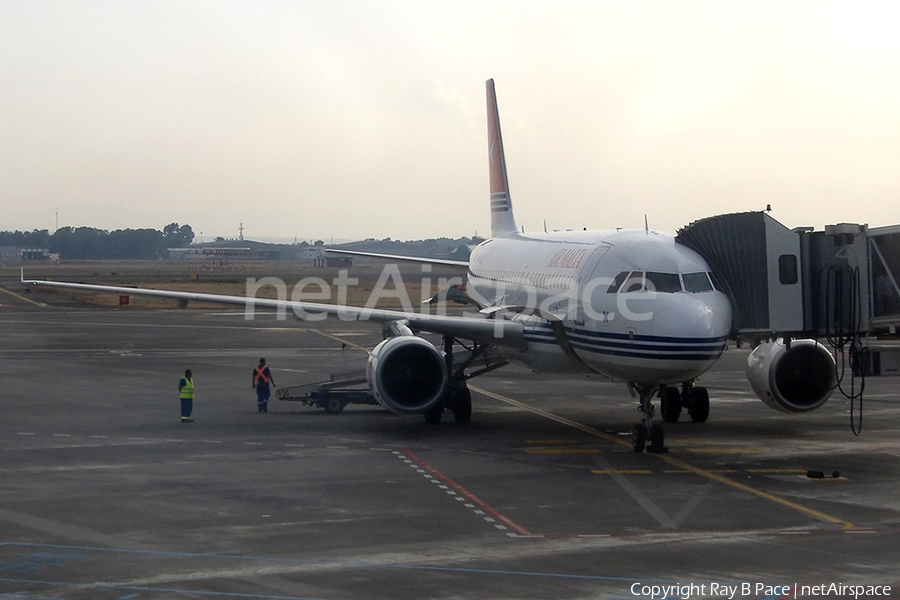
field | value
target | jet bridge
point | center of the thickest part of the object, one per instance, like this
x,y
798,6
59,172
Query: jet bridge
x,y
884,267
842,281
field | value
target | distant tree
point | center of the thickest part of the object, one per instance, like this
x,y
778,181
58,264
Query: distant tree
x,y
89,243
178,236
25,239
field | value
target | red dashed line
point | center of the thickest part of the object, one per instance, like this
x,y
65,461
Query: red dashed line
x,y
463,491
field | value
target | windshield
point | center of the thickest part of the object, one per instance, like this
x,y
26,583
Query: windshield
x,y
696,282
663,282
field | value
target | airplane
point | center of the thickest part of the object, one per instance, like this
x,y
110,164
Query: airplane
x,y
630,305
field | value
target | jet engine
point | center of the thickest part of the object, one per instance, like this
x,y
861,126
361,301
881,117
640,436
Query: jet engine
x,y
799,379
407,374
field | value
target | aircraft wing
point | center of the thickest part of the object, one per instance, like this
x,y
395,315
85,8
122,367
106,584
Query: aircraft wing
x,y
416,259
477,328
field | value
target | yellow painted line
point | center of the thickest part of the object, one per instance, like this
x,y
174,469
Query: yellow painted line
x,y
622,471
682,471
785,471
21,297
341,340
563,451
551,441
552,417
724,450
674,462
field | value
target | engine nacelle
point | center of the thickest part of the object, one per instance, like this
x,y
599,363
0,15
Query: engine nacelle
x,y
797,380
407,374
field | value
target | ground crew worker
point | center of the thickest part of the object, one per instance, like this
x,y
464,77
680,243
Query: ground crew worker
x,y
262,377
186,393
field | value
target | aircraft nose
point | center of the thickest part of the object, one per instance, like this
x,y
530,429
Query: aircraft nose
x,y
694,316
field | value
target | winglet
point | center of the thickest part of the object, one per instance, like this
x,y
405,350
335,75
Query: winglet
x,y
503,222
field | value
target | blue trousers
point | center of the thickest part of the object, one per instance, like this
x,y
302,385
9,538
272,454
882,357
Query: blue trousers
x,y
262,397
187,406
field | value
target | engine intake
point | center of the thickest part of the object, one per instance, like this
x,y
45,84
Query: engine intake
x,y
407,375
797,380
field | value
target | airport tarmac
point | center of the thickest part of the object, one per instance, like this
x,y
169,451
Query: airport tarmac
x,y
106,494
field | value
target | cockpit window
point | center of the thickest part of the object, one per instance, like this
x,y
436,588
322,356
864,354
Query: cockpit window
x,y
617,282
667,283
635,283
696,282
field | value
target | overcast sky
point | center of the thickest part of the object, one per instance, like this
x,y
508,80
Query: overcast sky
x,y
349,120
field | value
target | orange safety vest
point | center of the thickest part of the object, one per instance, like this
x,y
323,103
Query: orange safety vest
x,y
260,373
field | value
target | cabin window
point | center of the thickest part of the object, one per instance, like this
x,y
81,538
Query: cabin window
x,y
667,283
617,282
696,282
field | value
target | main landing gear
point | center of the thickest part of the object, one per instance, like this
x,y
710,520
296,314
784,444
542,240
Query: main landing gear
x,y
695,399
671,402
458,398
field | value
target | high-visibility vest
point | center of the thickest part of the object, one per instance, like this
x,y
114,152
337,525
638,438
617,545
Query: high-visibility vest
x,y
188,390
259,373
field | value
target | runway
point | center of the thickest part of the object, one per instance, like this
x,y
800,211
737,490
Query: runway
x,y
105,494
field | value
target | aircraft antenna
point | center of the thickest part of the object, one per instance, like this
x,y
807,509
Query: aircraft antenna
x,y
646,225
545,225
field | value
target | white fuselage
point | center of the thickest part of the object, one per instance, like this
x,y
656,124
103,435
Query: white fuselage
x,y
632,305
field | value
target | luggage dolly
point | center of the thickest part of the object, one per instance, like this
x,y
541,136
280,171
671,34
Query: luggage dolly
x,y
328,394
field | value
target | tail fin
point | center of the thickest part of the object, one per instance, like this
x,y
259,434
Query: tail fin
x,y
502,220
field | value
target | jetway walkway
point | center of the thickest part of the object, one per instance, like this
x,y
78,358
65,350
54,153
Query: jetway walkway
x,y
842,281
884,260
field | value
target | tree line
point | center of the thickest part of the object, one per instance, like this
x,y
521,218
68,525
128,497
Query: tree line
x,y
89,243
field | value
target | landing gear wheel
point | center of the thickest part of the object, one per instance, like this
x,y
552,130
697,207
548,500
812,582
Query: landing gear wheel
x,y
433,415
670,404
699,409
333,406
638,437
657,439
462,404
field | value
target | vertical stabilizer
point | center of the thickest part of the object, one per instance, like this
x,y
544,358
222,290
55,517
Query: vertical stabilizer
x,y
502,220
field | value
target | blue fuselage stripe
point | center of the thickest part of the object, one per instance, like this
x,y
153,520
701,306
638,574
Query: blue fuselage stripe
x,y
641,346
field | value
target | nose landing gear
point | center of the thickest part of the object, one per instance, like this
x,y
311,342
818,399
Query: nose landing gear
x,y
646,429
671,402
